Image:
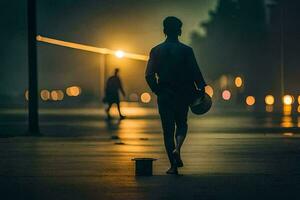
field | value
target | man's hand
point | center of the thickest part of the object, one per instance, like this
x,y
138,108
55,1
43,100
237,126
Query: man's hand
x,y
202,91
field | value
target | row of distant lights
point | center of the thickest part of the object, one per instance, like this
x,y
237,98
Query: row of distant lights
x,y
146,97
57,95
250,100
269,99
226,95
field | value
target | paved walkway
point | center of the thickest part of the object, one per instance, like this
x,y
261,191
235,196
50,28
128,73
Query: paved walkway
x,y
225,156
218,166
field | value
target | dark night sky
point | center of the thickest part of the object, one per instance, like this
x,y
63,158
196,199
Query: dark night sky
x,y
131,25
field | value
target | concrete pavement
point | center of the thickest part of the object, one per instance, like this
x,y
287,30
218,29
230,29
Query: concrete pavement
x,y
77,159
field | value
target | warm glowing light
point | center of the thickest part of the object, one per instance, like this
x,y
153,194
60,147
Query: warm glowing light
x,y
26,95
286,122
133,97
287,109
298,109
60,95
119,54
45,95
209,90
145,97
250,100
89,48
54,95
288,100
226,95
73,91
269,100
223,81
238,82
269,108
288,134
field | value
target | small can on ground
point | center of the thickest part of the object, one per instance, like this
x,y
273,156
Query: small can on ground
x,y
143,166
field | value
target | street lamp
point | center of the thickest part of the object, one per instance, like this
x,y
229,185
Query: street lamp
x,y
119,54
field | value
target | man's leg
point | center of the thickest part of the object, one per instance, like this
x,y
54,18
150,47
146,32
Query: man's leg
x,y
119,110
168,124
107,110
181,131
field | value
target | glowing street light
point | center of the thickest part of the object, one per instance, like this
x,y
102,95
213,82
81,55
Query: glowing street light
x,y
45,95
288,100
209,90
250,100
269,100
146,97
226,95
119,54
238,82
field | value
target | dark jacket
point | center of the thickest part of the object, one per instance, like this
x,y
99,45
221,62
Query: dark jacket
x,y
172,65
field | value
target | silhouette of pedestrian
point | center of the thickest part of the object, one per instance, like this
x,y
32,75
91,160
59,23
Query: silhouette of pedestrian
x,y
113,86
172,73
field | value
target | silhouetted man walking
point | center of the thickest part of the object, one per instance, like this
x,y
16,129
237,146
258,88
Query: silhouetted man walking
x,y
172,73
113,86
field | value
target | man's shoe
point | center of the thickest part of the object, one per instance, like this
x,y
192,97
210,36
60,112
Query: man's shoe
x,y
172,170
177,158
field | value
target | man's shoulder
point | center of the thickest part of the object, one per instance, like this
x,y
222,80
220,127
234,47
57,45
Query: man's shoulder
x,y
155,48
184,46
164,44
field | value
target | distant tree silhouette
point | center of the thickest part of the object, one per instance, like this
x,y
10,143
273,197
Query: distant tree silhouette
x,y
217,46
235,42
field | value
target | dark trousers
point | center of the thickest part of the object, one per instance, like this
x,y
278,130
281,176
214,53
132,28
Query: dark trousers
x,y
173,112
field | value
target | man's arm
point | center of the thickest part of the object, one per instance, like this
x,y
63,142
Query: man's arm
x,y
150,73
197,75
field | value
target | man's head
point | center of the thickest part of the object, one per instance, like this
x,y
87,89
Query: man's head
x,y
172,26
117,71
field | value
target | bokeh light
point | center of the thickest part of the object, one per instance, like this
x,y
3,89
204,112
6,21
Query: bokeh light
x,y
286,122
119,54
226,95
145,97
288,134
223,81
287,109
238,82
269,100
54,95
60,95
45,95
298,99
209,90
73,91
133,97
288,100
250,100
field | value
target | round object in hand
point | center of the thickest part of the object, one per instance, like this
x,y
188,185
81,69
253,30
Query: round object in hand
x,y
201,105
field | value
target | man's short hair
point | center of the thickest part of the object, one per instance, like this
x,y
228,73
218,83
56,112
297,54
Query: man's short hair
x,y
172,25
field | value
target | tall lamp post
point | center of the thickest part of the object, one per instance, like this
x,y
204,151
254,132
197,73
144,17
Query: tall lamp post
x,y
33,128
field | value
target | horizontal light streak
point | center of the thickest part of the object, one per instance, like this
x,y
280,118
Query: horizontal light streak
x,y
89,48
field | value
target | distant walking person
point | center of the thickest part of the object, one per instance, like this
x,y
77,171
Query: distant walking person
x,y
172,73
113,86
